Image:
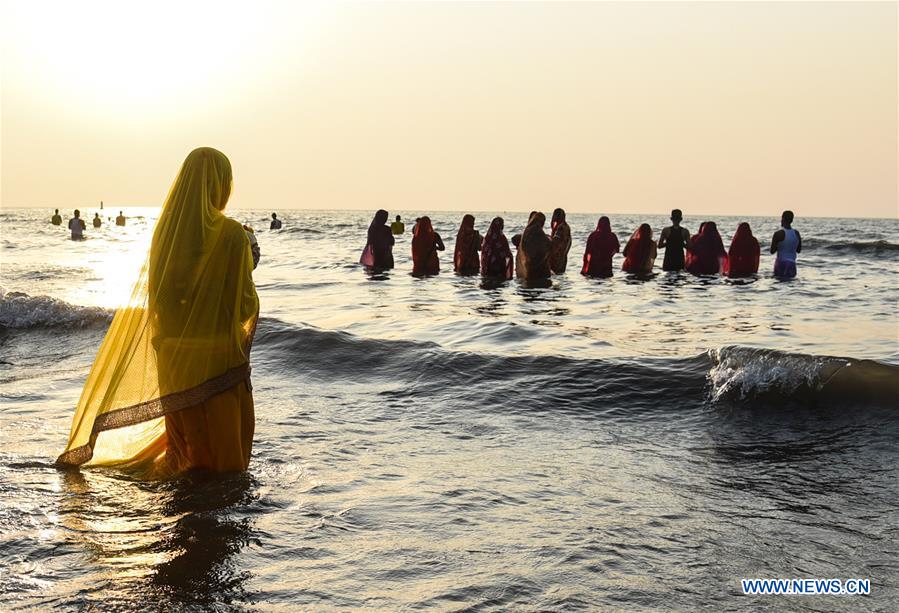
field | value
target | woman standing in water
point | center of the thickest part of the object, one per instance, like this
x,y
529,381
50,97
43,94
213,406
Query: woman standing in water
x,y
468,242
496,256
601,246
743,256
425,245
169,389
561,242
707,254
378,252
640,252
532,261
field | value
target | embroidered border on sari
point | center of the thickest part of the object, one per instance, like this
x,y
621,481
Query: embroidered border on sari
x,y
151,409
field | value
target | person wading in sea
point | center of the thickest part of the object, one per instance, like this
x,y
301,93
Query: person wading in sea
x,y
786,243
674,238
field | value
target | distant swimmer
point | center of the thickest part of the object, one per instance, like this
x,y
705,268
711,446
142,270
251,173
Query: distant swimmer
x,y
425,245
56,220
398,227
601,246
254,245
77,226
101,205
674,239
120,220
466,260
786,243
640,252
276,223
706,254
561,242
743,255
532,259
378,252
496,257
97,221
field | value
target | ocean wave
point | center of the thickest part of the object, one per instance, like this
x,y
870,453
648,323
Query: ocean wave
x,y
746,374
867,247
20,310
734,374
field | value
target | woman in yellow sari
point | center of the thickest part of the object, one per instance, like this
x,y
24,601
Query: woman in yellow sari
x,y
169,389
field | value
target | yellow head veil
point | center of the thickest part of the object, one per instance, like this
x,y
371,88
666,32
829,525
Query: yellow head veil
x,y
185,334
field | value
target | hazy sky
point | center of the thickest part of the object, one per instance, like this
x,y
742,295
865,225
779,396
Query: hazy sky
x,y
727,108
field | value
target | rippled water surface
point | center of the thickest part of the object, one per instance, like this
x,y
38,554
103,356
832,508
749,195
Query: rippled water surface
x,y
444,444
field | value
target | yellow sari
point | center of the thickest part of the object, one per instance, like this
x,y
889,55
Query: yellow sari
x,y
169,389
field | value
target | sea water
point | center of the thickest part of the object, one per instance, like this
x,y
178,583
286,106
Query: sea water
x,y
452,444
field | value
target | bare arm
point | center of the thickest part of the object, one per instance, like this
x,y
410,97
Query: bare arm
x,y
438,242
663,237
776,240
799,244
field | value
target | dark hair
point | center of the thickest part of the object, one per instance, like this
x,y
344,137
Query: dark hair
x,y
676,214
397,217
57,210
274,216
558,215
787,216
77,212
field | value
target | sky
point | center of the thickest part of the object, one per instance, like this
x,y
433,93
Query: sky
x,y
631,107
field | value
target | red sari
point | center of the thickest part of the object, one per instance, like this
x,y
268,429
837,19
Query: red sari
x,y
468,243
640,252
743,256
425,243
706,252
601,246
496,256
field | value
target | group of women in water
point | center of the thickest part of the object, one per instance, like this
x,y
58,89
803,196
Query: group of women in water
x,y
540,255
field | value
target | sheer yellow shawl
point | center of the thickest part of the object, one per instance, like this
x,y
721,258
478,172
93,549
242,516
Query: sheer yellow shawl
x,y
185,334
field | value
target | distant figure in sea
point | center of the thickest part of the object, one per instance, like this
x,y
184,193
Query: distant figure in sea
x,y
743,255
169,389
786,243
425,245
398,227
120,220
640,252
97,221
496,256
674,239
706,254
254,245
602,244
466,260
532,260
276,223
560,236
77,226
378,252
56,220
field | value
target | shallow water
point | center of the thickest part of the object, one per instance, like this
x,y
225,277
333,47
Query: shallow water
x,y
432,443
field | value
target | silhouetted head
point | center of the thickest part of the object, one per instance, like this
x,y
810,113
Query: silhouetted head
x,y
274,216
120,212
645,231
604,225
558,216
57,211
398,218
381,217
708,226
468,221
786,219
676,215
96,214
77,213
497,224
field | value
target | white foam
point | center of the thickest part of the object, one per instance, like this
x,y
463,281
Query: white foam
x,y
20,310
